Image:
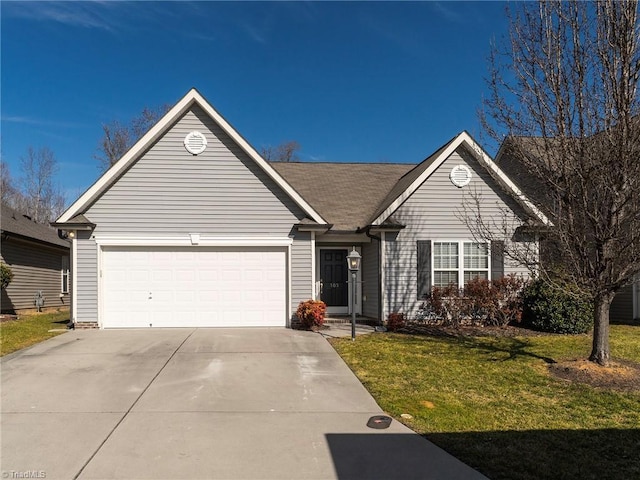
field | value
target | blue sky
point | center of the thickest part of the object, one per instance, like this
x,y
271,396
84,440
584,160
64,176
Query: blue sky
x,y
361,81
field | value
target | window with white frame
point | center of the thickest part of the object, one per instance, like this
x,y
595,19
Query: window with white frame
x,y
64,288
450,269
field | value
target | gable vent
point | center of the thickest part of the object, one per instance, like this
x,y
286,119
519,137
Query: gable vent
x,y
460,175
195,143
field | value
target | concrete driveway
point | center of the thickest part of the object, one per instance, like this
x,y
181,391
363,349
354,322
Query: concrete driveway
x,y
200,404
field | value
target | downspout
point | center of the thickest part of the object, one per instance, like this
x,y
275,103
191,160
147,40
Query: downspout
x,y
368,233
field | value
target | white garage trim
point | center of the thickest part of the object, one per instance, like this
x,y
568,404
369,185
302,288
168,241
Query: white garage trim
x,y
313,266
74,278
185,241
180,300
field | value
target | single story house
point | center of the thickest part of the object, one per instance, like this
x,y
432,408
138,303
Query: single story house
x,y
192,227
39,260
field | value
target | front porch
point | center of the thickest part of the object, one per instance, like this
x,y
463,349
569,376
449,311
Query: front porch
x,y
334,284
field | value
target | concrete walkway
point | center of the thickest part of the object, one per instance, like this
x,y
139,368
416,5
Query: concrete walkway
x,y
200,404
337,330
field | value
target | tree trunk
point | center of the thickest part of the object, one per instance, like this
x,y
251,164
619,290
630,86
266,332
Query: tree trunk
x,y
600,350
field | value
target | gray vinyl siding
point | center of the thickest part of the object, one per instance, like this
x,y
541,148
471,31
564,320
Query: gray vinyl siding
x,y
86,274
169,192
370,279
35,267
301,278
431,213
622,305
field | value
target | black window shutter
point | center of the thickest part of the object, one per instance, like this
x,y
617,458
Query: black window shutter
x,y
497,259
424,268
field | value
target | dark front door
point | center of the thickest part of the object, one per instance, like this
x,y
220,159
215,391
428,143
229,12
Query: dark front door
x,y
334,276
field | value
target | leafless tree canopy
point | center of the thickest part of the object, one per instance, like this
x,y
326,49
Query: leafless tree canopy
x,y
7,185
285,152
118,138
564,95
34,193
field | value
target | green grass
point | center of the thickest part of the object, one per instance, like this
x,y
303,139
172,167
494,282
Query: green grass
x,y
491,402
30,329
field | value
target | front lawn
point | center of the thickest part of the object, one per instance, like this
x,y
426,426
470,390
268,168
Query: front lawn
x,y
31,329
493,403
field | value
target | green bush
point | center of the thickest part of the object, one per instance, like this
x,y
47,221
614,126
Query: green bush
x,y
6,275
557,308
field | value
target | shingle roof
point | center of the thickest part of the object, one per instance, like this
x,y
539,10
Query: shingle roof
x,y
513,166
14,222
345,194
356,195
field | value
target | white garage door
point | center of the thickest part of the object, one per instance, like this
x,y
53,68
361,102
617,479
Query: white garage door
x,y
193,287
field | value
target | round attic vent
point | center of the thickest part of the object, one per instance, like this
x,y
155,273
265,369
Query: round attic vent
x,y
460,175
195,143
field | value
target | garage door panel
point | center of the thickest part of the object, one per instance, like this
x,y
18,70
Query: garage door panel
x,y
199,287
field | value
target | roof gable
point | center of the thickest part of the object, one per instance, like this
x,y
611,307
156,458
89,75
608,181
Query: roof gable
x,y
192,98
406,181
412,180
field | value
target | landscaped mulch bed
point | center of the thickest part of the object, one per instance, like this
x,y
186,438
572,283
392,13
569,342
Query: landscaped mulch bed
x,y
620,375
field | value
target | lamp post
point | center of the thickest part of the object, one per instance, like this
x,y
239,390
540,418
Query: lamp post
x,y
353,262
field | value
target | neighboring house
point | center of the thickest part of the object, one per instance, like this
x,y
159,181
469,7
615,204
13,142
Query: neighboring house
x,y
39,260
192,227
626,304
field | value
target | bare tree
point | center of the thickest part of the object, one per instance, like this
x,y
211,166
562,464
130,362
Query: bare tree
x,y
564,91
285,152
8,190
41,199
118,138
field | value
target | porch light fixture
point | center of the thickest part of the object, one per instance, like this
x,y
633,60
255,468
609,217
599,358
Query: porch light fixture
x,y
353,262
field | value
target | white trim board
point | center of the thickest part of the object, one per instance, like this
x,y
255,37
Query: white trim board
x,y
192,97
483,158
185,241
383,270
74,278
314,283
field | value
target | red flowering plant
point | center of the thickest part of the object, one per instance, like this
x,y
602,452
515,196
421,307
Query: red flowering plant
x,y
311,313
395,321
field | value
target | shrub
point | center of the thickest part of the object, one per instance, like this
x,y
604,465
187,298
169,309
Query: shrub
x,y
395,321
445,304
311,313
482,302
6,275
557,308
499,302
